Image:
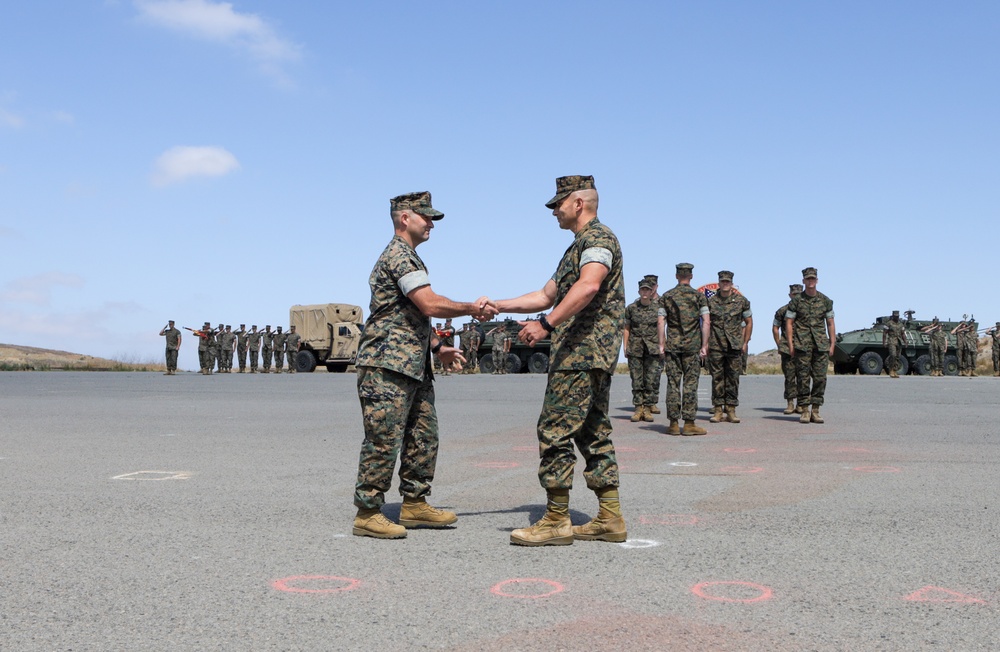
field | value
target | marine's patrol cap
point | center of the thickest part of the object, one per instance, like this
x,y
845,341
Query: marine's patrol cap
x,y
725,275
206,324
652,278
685,268
243,325
418,202
645,282
895,313
809,272
795,288
935,320
170,321
567,185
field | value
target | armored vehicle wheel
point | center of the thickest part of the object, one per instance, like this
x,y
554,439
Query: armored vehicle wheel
x,y
841,368
486,364
950,365
538,363
904,365
922,365
870,363
305,361
336,367
513,364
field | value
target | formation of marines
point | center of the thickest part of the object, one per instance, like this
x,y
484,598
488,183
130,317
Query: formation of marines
x,y
219,346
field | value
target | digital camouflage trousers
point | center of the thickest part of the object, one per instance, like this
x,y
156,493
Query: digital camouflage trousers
x,y
266,358
811,367
400,421
171,359
937,356
683,371
791,377
575,411
499,360
645,371
725,368
892,358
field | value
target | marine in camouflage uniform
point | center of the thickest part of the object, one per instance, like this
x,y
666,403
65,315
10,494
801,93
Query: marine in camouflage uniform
x,y
205,337
292,344
472,358
994,334
278,346
395,378
972,346
779,333
228,342
642,350
893,338
584,353
501,345
215,348
938,346
447,339
684,313
811,333
254,338
242,347
965,361
173,346
266,339
731,329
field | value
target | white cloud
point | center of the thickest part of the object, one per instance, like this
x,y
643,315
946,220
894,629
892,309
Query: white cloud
x,y
218,22
180,163
38,289
12,120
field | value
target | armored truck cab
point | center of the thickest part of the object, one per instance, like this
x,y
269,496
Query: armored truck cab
x,y
521,359
862,350
330,335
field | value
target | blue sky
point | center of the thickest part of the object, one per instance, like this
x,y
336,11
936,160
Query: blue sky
x,y
193,160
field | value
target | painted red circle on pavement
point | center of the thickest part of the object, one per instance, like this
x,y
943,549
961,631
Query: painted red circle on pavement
x,y
314,584
499,589
765,592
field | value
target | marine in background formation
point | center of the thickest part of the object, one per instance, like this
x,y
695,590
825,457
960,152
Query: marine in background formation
x,y
278,347
779,332
293,342
938,346
812,334
242,347
994,334
642,350
254,338
501,346
894,338
731,328
267,347
684,313
227,342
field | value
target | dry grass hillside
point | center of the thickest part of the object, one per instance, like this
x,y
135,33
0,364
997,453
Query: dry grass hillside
x,y
14,357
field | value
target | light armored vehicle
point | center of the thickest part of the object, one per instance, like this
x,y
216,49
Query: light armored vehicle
x,y
521,359
862,350
330,335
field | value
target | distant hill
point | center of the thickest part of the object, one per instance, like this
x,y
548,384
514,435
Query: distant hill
x,y
14,357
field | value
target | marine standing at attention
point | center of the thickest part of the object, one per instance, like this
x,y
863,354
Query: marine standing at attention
x,y
642,350
267,347
728,340
242,347
587,297
939,346
293,342
254,338
173,346
778,331
994,334
395,380
894,338
278,345
684,313
812,335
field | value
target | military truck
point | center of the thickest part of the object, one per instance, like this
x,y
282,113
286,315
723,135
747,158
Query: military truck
x,y
521,359
862,351
330,335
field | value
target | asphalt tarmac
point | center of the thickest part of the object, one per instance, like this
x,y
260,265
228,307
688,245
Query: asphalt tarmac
x,y
147,512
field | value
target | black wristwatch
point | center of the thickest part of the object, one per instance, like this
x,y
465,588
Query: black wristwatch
x,y
437,347
545,323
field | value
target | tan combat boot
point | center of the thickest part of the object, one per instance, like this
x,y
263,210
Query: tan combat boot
x,y
816,418
647,414
637,416
731,414
655,410
791,407
804,418
372,523
691,428
609,524
674,428
553,529
415,512
717,415
893,374
798,408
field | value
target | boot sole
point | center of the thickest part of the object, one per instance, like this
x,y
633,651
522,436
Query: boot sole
x,y
415,524
554,541
361,532
613,537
